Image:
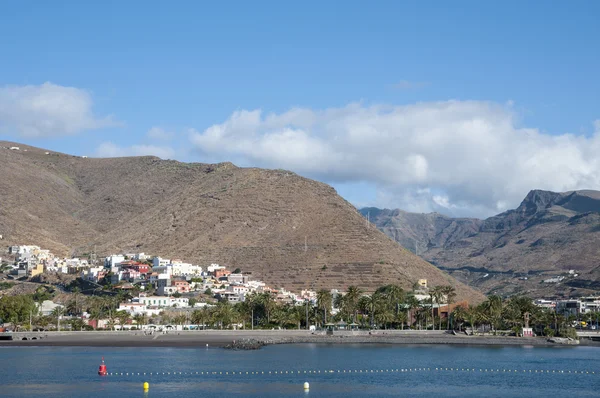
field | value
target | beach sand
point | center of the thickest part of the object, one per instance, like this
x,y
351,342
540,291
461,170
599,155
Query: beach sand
x,y
220,338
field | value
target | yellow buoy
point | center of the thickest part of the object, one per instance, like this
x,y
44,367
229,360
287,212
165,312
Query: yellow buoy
x,y
146,385
306,386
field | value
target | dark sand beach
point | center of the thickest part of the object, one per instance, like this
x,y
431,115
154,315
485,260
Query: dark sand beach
x,y
221,338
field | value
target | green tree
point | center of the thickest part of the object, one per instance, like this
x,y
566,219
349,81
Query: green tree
x,y
17,309
124,317
350,301
491,311
450,293
140,319
77,324
436,294
324,302
411,304
57,314
201,317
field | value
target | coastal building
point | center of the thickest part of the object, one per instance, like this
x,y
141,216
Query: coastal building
x,y
570,307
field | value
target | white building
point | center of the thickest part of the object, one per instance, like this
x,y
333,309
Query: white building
x,y
139,309
48,306
158,262
178,269
213,267
114,260
163,302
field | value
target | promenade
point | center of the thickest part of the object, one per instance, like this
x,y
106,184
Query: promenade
x,y
219,338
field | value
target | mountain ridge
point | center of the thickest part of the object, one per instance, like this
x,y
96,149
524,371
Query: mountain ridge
x,y
548,234
290,231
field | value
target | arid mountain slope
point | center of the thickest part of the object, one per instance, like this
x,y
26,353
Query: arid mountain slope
x,y
287,230
514,252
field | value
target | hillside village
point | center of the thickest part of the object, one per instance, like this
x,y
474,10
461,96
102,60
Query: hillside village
x,y
153,283
146,286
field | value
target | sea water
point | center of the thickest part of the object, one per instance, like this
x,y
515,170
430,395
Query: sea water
x,y
281,370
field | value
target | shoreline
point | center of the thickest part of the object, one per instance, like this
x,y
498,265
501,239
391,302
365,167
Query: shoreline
x,y
221,338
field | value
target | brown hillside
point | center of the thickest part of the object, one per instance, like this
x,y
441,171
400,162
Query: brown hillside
x,y
290,231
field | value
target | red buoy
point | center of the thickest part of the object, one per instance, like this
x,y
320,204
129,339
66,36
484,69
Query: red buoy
x,y
102,369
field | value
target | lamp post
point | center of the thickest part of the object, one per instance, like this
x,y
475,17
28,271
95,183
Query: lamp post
x,y
306,314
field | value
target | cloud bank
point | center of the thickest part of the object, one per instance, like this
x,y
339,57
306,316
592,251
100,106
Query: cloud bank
x,y
47,110
458,157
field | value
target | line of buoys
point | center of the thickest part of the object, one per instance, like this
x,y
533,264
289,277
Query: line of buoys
x,y
331,371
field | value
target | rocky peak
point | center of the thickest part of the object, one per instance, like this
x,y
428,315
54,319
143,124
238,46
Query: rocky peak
x,y
538,200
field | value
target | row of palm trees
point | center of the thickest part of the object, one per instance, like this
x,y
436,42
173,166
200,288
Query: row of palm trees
x,y
387,307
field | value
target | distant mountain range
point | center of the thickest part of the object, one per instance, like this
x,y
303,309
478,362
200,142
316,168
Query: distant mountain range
x,y
287,230
514,252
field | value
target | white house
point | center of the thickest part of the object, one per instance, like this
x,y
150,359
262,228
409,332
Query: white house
x,y
158,262
213,267
162,301
178,269
48,306
114,260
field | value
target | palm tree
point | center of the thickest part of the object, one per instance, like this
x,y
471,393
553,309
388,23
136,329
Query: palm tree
x,y
324,301
140,319
436,297
96,309
224,314
268,304
75,305
401,318
394,295
297,315
492,310
180,319
351,300
372,305
450,293
412,303
472,315
57,314
123,317
459,315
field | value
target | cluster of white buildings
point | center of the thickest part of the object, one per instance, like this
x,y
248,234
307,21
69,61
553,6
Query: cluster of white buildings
x,y
575,306
31,260
173,281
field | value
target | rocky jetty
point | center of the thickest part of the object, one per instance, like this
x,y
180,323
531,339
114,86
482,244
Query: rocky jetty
x,y
246,344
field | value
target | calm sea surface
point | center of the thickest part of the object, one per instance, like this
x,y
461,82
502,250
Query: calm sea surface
x,y
492,372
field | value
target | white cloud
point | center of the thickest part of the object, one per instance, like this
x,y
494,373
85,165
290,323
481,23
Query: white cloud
x,y
110,150
157,133
47,110
465,157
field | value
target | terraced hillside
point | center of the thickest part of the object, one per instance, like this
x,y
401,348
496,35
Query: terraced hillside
x,y
287,230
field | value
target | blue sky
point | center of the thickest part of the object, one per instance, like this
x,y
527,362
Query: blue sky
x,y
496,73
